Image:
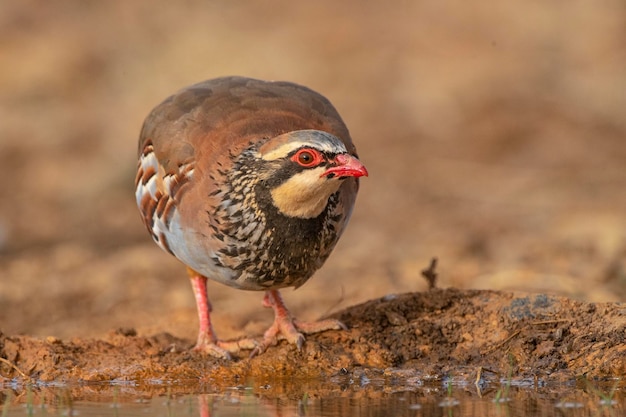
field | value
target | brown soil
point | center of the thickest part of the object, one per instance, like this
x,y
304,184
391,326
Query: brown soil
x,y
494,138
418,335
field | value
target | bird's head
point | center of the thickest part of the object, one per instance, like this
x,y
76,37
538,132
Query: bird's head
x,y
304,168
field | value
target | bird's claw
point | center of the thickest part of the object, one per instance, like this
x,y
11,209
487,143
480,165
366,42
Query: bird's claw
x,y
222,349
292,332
212,349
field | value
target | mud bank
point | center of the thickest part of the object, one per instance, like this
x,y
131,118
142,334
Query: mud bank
x,y
433,334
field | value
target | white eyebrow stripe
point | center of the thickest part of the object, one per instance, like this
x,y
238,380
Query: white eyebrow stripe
x,y
284,150
322,141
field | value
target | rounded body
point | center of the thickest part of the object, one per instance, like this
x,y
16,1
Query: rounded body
x,y
226,182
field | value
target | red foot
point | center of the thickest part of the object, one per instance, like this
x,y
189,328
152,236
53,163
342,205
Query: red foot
x,y
285,327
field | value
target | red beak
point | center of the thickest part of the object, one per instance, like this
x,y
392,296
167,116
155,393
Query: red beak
x,y
346,166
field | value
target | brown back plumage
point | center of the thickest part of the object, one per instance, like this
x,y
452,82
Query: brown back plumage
x,y
232,111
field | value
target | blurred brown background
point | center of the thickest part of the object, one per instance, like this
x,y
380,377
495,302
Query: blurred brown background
x,y
494,134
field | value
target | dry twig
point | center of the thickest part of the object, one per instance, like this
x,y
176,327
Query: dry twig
x,y
504,342
430,274
14,367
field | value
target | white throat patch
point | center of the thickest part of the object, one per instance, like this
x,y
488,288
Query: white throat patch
x,y
304,195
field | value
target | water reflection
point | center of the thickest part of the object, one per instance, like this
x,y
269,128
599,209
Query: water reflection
x,y
428,400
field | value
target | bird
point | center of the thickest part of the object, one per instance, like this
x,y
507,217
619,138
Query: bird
x,y
249,183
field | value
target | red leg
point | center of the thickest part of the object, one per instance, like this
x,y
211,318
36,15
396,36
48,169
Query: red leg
x,y
206,335
207,340
286,327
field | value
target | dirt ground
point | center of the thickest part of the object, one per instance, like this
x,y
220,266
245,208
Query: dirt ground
x,y
473,335
495,140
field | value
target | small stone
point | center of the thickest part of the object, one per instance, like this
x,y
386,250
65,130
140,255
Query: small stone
x,y
396,319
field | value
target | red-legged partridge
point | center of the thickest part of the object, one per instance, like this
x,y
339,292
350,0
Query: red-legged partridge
x,y
248,183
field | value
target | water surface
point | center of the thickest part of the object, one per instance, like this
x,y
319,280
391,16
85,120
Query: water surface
x,y
419,398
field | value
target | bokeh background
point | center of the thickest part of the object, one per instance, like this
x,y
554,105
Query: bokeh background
x,y
494,134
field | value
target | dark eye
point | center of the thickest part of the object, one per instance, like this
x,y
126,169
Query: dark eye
x,y
307,157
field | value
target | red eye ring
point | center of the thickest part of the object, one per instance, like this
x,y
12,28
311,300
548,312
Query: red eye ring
x,y
307,157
